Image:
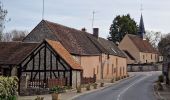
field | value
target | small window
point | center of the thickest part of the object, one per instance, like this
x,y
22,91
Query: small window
x,y
155,57
108,56
99,58
112,68
97,69
107,68
151,56
94,71
116,62
143,56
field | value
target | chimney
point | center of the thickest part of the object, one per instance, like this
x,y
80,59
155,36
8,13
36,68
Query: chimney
x,y
96,32
83,29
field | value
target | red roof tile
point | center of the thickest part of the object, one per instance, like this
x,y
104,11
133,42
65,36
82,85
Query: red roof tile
x,y
142,45
59,49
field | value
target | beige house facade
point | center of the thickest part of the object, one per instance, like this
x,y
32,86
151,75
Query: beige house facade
x,y
97,56
141,50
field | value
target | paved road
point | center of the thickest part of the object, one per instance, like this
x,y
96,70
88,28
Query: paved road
x,y
137,88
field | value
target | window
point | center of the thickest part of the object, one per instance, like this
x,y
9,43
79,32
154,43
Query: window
x,y
151,56
155,57
108,56
97,69
112,69
94,71
107,68
100,58
116,62
143,56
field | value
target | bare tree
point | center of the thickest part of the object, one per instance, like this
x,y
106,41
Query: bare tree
x,y
154,38
3,14
7,37
14,35
18,35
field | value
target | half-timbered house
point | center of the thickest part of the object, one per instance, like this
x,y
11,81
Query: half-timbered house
x,y
40,62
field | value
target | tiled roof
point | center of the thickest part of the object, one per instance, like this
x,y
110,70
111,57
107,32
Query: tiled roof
x,y
142,45
73,40
83,42
59,49
111,47
14,52
129,56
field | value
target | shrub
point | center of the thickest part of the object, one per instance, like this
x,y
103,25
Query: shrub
x,y
94,85
79,89
117,78
102,84
159,86
161,78
68,87
39,98
57,89
88,87
112,80
8,88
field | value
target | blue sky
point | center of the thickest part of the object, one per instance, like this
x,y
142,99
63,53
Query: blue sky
x,y
26,14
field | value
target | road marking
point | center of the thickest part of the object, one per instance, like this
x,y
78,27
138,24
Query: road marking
x,y
118,98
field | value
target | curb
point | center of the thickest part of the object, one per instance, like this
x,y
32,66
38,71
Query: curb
x,y
95,90
157,94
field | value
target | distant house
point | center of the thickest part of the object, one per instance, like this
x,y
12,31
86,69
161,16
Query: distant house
x,y
40,62
98,57
138,49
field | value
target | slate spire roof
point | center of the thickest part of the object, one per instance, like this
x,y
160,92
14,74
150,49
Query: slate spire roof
x,y
141,28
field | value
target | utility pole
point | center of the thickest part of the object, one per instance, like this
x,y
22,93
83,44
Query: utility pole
x,y
93,20
43,11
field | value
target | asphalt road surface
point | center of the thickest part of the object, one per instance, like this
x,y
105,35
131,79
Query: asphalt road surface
x,y
139,87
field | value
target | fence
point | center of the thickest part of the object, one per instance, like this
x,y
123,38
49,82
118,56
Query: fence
x,y
57,82
48,83
37,83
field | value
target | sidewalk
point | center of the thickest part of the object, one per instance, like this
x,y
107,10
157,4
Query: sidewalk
x,y
163,94
71,94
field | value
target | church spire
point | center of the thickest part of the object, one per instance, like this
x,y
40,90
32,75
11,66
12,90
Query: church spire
x,y
141,28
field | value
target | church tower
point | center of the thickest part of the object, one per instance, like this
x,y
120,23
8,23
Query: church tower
x,y
141,30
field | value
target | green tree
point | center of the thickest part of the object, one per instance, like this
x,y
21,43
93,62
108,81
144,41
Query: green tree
x,y
3,14
121,26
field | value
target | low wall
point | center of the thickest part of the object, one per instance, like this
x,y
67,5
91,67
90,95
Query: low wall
x,y
144,67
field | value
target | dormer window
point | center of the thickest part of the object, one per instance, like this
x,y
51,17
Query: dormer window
x,y
113,50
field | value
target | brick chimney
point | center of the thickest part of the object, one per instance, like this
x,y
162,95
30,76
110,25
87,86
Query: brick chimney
x,y
96,32
83,29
